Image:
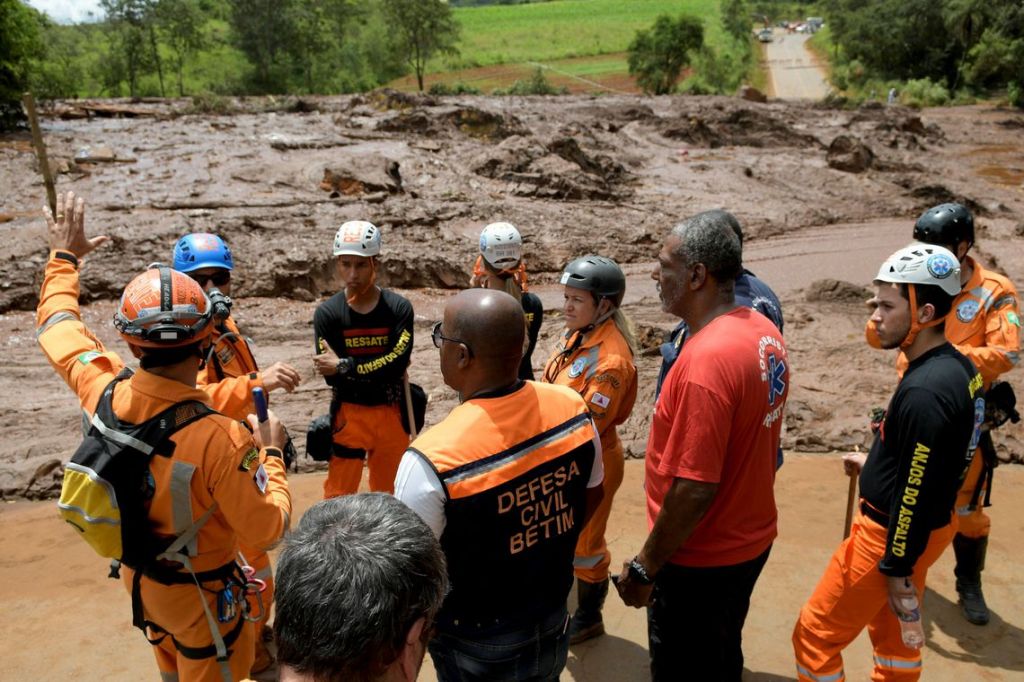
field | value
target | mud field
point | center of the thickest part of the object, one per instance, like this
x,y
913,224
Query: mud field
x,y
576,174
824,195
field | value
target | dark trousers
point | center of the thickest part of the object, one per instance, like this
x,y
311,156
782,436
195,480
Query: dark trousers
x,y
695,621
537,653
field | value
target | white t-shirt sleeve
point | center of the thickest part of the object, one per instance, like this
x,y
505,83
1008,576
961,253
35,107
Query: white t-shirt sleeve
x,y
597,472
417,485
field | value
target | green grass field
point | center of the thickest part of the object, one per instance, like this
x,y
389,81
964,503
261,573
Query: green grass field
x,y
579,40
545,31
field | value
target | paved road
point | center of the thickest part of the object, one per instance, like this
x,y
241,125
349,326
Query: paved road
x,y
793,73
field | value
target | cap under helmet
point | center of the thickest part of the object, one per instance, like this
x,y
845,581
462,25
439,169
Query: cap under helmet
x,y
357,238
597,274
201,250
501,245
924,264
946,224
163,308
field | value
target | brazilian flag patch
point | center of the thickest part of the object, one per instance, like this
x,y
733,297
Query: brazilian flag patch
x,y
88,356
248,459
1014,320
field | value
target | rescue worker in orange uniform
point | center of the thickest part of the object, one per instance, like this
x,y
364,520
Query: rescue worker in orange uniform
x,y
984,326
363,343
908,481
506,482
500,266
595,358
229,376
215,478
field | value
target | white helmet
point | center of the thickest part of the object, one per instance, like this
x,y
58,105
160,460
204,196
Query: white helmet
x,y
501,245
922,264
357,238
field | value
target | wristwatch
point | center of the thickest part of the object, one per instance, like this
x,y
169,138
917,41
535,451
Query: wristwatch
x,y
638,573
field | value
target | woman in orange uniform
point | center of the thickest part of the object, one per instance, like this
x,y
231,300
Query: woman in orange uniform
x,y
595,357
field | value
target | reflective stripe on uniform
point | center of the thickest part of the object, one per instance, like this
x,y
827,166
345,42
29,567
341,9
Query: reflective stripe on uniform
x,y
181,502
984,296
897,663
54,319
831,677
479,467
1013,356
265,573
122,438
168,677
593,357
587,561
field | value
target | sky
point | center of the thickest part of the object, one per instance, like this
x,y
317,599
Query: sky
x,y
67,11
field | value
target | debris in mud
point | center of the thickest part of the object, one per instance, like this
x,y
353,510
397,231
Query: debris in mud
x,y
470,121
835,291
736,128
850,155
649,339
387,99
559,169
933,195
1019,230
752,94
367,174
102,110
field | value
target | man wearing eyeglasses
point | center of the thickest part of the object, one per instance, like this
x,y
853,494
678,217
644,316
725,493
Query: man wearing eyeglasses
x,y
228,377
506,482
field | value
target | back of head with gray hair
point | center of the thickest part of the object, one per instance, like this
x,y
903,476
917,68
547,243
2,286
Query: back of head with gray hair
x,y
352,579
712,238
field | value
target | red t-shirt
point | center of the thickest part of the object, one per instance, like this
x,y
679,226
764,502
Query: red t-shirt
x,y
718,421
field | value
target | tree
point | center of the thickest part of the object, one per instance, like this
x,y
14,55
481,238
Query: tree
x,y
657,55
129,23
424,28
261,29
19,43
736,19
181,26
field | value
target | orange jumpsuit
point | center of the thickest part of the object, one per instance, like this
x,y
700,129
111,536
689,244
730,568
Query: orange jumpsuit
x,y
601,370
214,465
984,325
228,378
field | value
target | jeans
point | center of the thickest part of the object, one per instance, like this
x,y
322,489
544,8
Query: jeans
x,y
536,653
695,621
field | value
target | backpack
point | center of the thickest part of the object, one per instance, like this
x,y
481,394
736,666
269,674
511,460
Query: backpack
x,y
107,484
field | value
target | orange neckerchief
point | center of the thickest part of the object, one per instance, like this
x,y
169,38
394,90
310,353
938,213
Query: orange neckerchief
x,y
369,284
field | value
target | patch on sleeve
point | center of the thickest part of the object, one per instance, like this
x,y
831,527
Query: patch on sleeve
x,y
248,459
1009,299
88,356
600,399
261,478
1013,319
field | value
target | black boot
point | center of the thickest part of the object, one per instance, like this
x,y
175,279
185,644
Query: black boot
x,y
970,561
587,622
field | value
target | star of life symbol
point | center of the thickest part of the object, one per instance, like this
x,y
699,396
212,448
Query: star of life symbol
x,y
776,378
940,266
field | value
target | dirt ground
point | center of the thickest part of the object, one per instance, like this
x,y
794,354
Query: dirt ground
x,y
576,174
52,589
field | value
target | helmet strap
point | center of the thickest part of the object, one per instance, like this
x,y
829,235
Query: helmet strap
x,y
915,326
369,284
517,273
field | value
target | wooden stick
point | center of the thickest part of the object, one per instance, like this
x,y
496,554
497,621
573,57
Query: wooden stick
x,y
37,142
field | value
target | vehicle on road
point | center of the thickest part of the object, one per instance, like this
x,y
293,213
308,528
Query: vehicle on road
x,y
765,35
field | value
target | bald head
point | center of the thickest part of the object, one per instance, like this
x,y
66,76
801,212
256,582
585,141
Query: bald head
x,y
489,321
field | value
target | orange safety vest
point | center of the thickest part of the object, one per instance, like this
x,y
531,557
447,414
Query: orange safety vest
x,y
514,468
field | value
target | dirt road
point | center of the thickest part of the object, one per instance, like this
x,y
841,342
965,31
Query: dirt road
x,y
795,74
54,590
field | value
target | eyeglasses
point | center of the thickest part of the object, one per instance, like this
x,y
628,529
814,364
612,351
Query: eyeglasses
x,y
437,337
219,278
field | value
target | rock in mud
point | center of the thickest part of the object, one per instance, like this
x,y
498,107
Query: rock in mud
x,y
471,121
836,291
752,94
850,155
714,128
364,175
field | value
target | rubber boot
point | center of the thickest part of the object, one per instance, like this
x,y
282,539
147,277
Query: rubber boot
x,y
587,622
970,561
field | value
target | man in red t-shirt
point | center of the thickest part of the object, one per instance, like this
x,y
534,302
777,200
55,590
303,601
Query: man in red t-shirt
x,y
710,462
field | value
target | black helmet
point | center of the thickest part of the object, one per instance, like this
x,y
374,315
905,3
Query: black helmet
x,y
945,225
598,275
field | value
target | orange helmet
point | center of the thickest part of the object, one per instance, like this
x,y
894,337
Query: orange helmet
x,y
163,308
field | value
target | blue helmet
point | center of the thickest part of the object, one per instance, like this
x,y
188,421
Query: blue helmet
x,y
201,250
